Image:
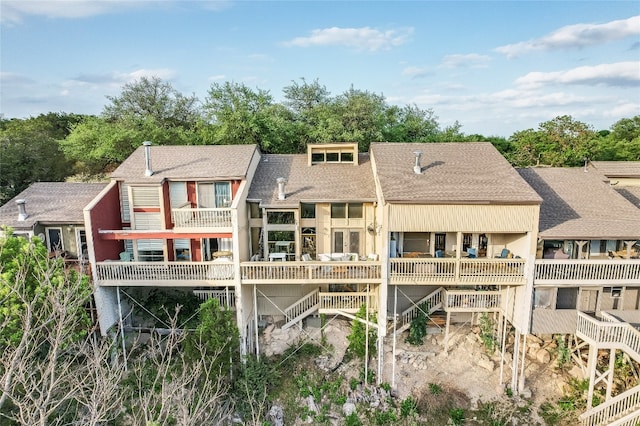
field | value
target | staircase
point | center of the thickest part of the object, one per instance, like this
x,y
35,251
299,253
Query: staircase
x,y
433,300
610,333
302,308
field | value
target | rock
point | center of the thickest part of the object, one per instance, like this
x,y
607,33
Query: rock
x,y
311,403
543,356
276,415
525,393
576,372
475,329
486,363
348,408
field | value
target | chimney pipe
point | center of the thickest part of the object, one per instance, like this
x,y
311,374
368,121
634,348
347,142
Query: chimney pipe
x,y
22,210
417,169
281,181
147,158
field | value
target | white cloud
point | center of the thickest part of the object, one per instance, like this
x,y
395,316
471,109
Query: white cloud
x,y
416,72
620,74
14,78
576,36
13,11
116,79
364,38
217,77
472,60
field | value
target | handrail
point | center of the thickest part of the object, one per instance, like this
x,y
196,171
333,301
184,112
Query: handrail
x,y
293,312
347,301
472,301
621,403
150,271
434,299
609,334
201,217
226,297
301,272
586,270
457,271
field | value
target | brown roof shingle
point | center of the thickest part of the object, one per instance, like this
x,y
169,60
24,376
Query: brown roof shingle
x,y
630,169
317,183
188,162
470,172
51,203
579,205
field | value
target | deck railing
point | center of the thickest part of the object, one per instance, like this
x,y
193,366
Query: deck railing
x,y
148,273
626,402
346,302
440,271
201,218
585,271
226,297
301,307
472,301
310,272
433,301
608,334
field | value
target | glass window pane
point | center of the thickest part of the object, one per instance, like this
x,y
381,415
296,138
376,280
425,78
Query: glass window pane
x,y
347,157
338,241
338,211
281,218
317,157
355,211
308,211
333,157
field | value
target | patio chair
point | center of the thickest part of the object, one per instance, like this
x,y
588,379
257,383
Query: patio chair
x,y
471,252
439,253
125,256
503,254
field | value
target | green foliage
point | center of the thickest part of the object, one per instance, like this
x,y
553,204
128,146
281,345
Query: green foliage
x,y
562,352
408,407
435,389
352,420
30,152
255,381
384,418
358,337
457,416
487,332
418,328
218,335
27,275
386,386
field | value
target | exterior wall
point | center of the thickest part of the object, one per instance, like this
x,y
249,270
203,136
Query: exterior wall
x,y
273,300
103,213
467,218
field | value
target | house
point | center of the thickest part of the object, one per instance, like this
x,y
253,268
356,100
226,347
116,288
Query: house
x,y
460,229
52,211
587,278
173,217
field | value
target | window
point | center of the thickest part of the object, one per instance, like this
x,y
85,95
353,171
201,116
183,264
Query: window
x,y
150,250
54,239
308,211
466,241
178,194
416,242
281,218
214,195
309,242
347,210
182,248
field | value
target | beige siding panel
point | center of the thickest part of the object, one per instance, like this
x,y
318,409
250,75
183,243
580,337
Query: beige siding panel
x,y
469,218
323,230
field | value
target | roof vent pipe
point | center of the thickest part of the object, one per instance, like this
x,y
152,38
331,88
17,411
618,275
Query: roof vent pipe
x,y
147,158
417,169
281,181
22,210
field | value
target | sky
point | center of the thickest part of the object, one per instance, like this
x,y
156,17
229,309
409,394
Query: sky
x,y
494,67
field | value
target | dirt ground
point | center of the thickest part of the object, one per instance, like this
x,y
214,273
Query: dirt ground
x,y
466,367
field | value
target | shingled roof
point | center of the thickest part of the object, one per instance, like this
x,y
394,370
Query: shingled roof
x,y
188,162
579,205
631,193
51,203
460,173
326,182
618,169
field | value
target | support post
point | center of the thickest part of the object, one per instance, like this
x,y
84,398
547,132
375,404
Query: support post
x,y
395,328
366,338
591,368
255,318
446,333
124,349
516,358
524,353
612,366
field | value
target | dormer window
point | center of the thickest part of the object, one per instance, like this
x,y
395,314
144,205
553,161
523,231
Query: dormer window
x,y
333,153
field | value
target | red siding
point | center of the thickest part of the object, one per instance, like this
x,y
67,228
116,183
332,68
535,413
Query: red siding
x,y
105,214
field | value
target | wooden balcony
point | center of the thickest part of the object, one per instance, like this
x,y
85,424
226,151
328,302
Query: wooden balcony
x,y
599,272
349,302
446,271
189,219
163,274
472,301
366,272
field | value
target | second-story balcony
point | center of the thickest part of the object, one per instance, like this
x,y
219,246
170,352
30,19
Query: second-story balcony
x,y
348,272
446,271
587,272
165,274
187,219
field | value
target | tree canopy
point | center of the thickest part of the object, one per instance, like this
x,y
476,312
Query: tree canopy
x,y
54,146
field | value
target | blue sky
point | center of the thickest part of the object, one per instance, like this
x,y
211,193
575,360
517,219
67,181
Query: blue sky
x,y
495,67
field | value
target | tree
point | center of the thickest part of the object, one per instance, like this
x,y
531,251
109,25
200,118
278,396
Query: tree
x,y
560,142
42,319
623,142
153,98
29,152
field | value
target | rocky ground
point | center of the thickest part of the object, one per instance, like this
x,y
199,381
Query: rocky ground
x,y
466,367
